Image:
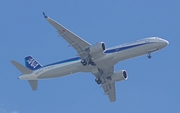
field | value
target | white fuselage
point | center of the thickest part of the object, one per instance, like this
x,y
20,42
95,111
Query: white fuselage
x,y
110,58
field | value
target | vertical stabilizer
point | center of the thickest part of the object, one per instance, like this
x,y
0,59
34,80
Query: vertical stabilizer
x,y
32,63
33,84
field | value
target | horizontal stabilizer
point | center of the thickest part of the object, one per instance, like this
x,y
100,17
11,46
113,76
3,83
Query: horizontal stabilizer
x,y
33,84
20,67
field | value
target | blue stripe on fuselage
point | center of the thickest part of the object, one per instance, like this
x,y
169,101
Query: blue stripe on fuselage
x,y
107,51
64,61
124,48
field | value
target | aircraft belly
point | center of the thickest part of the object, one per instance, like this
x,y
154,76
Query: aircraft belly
x,y
105,61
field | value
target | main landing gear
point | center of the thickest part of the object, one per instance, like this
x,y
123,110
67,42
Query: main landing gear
x,y
87,62
98,80
84,62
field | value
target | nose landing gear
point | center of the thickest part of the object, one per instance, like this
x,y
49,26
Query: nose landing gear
x,y
149,55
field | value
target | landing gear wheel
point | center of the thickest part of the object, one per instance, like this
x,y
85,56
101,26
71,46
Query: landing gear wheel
x,y
98,80
149,56
84,63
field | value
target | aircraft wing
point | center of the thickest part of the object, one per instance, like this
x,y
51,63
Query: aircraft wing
x,y
109,89
108,85
75,41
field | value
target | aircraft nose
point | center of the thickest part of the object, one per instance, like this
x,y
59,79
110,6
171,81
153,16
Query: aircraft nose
x,y
165,43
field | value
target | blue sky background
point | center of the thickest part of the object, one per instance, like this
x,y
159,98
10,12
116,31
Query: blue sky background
x,y
152,86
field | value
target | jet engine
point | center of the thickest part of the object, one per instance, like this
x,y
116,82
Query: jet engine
x,y
118,76
97,48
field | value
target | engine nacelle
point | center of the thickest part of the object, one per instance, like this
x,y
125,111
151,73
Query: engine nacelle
x,y
97,48
120,75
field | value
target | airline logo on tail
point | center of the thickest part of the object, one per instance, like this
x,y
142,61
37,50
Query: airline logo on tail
x,y
31,63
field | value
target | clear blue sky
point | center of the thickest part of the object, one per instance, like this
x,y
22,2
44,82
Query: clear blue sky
x,y
153,85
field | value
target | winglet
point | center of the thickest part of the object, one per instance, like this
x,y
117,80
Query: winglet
x,y
45,16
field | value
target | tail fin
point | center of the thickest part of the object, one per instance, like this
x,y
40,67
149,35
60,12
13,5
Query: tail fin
x,y
32,63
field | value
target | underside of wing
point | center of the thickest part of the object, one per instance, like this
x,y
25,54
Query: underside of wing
x,y
109,89
107,84
75,41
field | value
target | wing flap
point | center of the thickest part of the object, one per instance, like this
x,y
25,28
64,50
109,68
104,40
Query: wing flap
x,y
109,89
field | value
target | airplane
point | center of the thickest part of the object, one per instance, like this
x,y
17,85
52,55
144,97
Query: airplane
x,y
94,58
